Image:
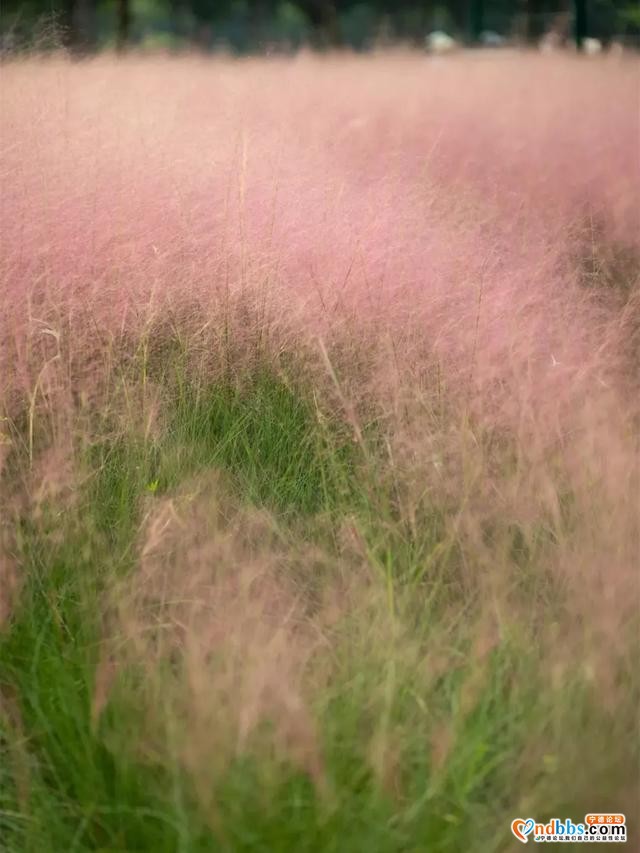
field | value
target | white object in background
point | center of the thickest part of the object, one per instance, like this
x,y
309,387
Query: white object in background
x,y
591,47
440,42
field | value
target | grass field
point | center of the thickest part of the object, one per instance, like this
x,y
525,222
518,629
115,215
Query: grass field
x,y
319,469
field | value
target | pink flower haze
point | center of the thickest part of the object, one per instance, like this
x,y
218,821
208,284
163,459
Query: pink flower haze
x,y
444,203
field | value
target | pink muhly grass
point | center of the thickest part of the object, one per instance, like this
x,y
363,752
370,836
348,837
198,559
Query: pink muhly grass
x,y
436,201
432,212
451,250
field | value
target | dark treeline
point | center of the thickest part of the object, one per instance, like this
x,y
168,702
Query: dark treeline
x,y
281,25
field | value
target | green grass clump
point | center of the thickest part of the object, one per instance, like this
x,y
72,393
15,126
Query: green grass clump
x,y
423,716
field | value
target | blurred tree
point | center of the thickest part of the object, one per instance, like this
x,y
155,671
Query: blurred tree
x,y
476,20
323,16
580,22
534,25
83,24
123,25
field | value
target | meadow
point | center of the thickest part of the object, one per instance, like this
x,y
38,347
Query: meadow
x,y
319,450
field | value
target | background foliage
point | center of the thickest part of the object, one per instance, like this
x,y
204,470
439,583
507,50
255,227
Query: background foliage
x,y
285,25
